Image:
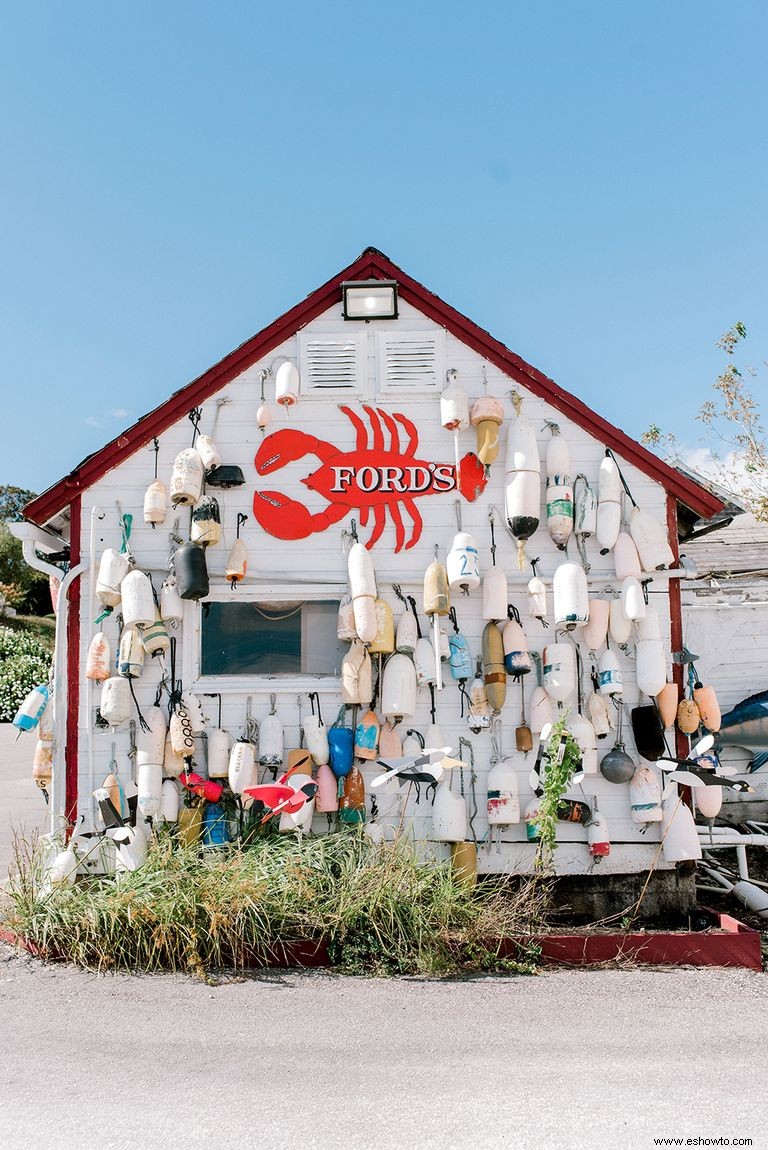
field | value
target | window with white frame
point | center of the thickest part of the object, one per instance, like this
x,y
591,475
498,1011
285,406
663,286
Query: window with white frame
x,y
270,638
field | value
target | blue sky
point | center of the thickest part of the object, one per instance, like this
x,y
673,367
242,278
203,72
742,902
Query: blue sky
x,y
587,181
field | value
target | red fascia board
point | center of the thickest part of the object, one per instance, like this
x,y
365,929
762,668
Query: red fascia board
x,y
372,264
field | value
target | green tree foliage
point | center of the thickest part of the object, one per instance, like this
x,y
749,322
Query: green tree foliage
x,y
26,589
735,435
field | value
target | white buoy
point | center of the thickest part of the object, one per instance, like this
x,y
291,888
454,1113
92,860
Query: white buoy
x,y
626,560
645,796
650,666
155,503
242,771
463,564
171,602
152,742
398,689
619,626
680,839
113,568
632,599
559,671
608,504
149,779
287,385
495,595
138,602
449,815
584,734
651,541
187,478
116,702
570,596
609,674
502,798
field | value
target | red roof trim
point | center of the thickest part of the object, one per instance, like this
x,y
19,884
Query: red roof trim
x,y
371,264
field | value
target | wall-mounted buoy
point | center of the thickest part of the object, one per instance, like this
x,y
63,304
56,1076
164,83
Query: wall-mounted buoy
x,y
559,496
522,497
287,385
98,663
608,503
187,478
619,626
666,701
242,771
679,837
645,796
138,600
594,633
626,560
597,836
559,671
383,642
155,637
398,688
113,568
116,701
486,416
208,451
149,779
449,815
171,603
632,599
651,666
709,708
155,503
191,571
502,798
152,741
356,675
130,658
206,522
651,541
609,674
218,753
570,596
494,672
362,585
463,564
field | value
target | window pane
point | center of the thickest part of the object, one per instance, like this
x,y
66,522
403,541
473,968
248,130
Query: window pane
x,y
270,639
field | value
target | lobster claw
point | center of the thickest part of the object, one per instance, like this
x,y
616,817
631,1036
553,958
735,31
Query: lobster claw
x,y
283,447
285,518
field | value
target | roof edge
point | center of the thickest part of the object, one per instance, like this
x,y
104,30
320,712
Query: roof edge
x,y
370,263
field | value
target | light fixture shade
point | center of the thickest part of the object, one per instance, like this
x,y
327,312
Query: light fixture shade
x,y
370,299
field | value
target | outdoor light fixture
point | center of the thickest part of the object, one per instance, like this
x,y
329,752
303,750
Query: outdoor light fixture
x,y
370,299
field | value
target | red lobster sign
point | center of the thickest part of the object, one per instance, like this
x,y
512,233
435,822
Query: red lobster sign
x,y
373,478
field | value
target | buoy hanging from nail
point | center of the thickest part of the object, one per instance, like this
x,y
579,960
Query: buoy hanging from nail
x,y
522,495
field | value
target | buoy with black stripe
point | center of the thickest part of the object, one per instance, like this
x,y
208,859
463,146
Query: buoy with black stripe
x,y
522,496
517,660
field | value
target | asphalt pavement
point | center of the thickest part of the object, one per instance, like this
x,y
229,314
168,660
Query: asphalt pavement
x,y
22,806
572,1059
566,1059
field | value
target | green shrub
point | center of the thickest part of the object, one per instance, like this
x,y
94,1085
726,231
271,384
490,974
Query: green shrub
x,y
376,907
24,662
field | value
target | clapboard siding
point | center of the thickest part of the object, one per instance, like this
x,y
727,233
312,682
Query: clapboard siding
x,y
323,557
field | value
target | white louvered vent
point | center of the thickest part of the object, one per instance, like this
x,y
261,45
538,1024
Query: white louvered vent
x,y
331,363
410,362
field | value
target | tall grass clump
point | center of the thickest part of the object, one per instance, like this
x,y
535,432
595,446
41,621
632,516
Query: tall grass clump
x,y
374,906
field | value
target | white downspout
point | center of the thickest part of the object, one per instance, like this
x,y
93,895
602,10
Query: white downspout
x,y
30,536
95,512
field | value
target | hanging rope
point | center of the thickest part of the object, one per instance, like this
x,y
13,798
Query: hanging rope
x,y
493,537
194,417
412,602
142,721
624,483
